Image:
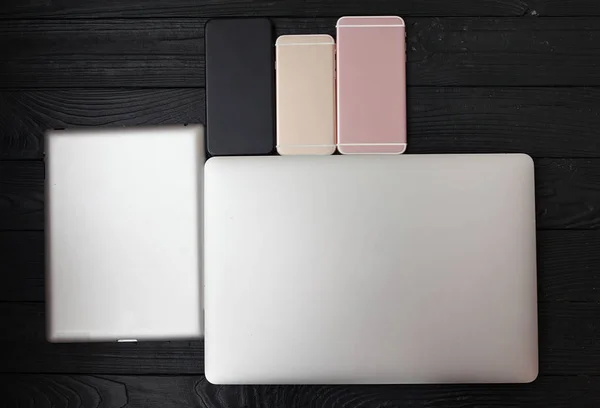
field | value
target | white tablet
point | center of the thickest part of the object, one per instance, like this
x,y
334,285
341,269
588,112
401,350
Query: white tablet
x,y
370,269
124,233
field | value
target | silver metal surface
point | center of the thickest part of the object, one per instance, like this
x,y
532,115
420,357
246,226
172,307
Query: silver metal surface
x,y
370,269
123,233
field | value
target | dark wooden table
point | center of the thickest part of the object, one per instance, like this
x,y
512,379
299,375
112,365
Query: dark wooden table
x,y
483,75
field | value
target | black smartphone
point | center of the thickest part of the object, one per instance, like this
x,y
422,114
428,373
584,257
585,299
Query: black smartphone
x,y
239,87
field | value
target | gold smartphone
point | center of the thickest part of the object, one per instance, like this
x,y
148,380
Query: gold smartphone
x,y
305,94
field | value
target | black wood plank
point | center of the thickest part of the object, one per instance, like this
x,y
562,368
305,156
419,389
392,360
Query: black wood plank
x,y
22,266
568,266
567,194
194,391
536,8
282,8
569,345
102,53
543,122
170,52
23,348
26,115
32,9
21,195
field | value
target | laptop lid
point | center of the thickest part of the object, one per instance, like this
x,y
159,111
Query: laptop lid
x,y
123,233
370,269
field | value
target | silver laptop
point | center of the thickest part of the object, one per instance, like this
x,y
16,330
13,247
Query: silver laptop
x,y
123,233
370,269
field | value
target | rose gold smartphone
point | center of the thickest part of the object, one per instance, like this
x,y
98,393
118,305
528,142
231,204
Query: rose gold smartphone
x,y
305,94
371,85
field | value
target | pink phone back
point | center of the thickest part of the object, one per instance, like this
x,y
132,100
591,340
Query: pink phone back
x,y
371,73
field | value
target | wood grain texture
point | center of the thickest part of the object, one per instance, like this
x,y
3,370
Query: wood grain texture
x,y
569,331
21,195
536,8
62,391
569,345
22,266
26,115
543,122
455,51
281,8
292,8
23,348
111,53
568,266
567,194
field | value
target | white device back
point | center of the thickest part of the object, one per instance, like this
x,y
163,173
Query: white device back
x,y
123,233
370,269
